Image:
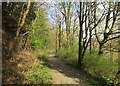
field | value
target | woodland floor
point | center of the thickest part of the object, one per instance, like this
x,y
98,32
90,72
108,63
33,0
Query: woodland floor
x,y
64,74
61,72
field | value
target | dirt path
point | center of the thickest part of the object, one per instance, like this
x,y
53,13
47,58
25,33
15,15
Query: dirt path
x,y
64,74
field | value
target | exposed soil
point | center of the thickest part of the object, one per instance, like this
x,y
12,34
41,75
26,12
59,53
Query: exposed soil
x,y
64,74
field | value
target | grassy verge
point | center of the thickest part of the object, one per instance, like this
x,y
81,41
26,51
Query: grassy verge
x,y
26,69
38,75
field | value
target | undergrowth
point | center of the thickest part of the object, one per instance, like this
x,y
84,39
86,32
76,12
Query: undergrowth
x,y
70,56
38,75
26,69
101,66
104,66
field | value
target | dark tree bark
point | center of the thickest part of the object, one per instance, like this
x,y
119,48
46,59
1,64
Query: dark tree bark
x,y
108,34
90,41
100,48
59,37
80,37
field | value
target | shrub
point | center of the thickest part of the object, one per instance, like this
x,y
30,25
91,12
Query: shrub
x,y
101,66
36,44
70,56
62,53
43,58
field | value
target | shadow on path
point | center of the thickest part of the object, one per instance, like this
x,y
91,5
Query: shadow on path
x,y
64,74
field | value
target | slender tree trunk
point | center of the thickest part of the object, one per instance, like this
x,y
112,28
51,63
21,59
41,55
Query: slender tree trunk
x,y
111,48
59,37
16,41
100,48
22,19
56,42
90,41
67,23
80,38
67,32
25,43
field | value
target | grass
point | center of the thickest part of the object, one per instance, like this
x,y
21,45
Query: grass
x,y
38,75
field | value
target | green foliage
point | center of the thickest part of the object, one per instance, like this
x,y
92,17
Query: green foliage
x,y
101,66
72,60
70,56
43,58
39,31
91,59
63,53
36,44
38,75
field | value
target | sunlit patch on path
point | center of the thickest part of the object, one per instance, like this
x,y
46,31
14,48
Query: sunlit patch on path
x,y
62,73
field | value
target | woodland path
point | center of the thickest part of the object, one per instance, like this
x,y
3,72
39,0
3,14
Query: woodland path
x,y
64,74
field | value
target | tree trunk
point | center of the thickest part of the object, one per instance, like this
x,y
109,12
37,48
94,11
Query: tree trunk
x,y
59,37
67,32
100,49
80,39
56,42
25,42
67,23
90,41
22,19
